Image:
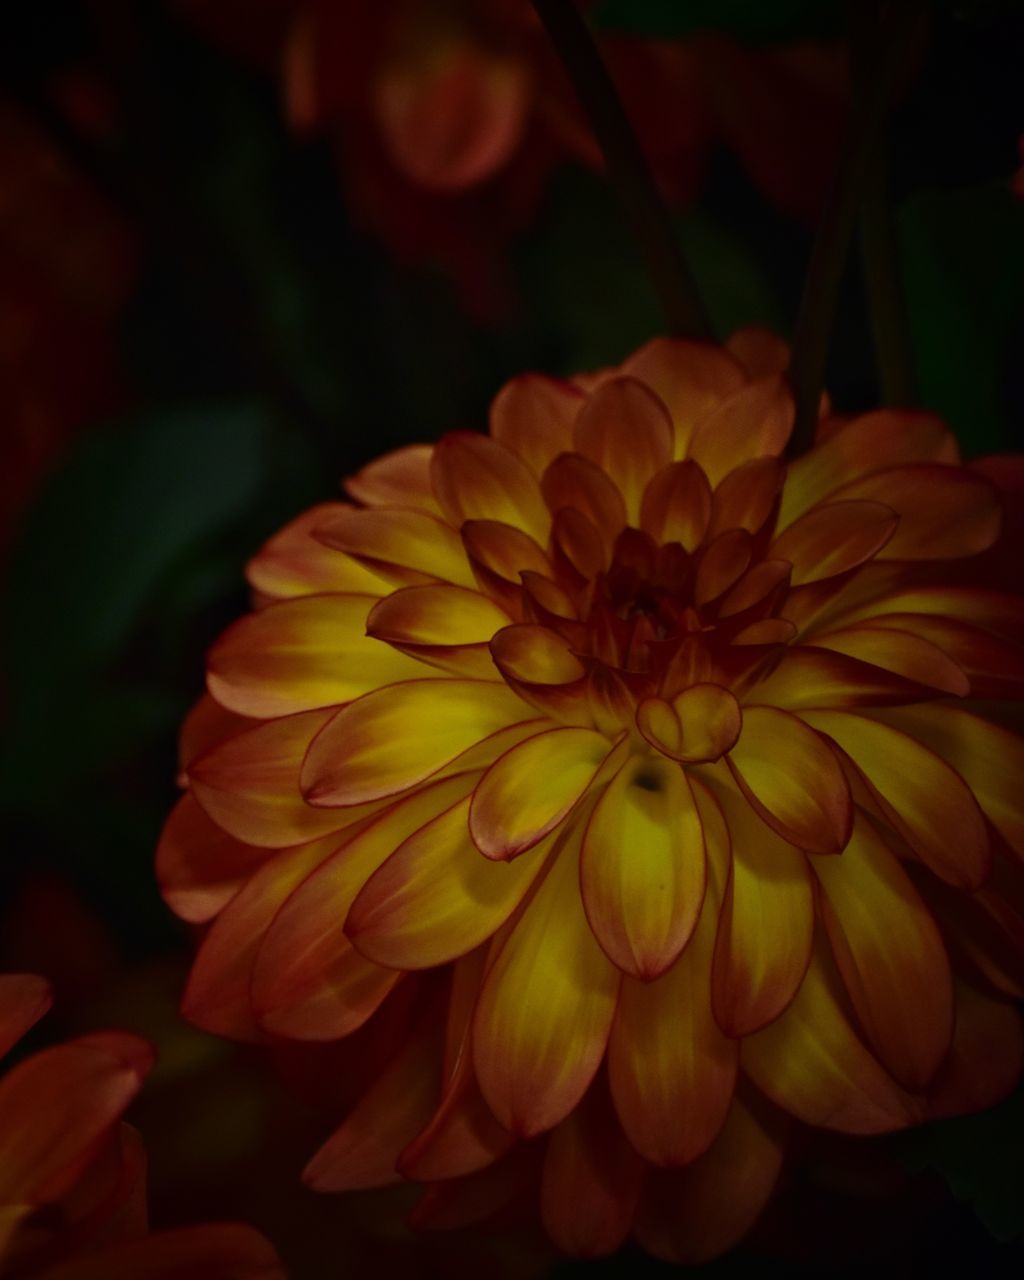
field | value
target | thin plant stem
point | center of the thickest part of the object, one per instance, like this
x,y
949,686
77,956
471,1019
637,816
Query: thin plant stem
x,y
880,49
627,167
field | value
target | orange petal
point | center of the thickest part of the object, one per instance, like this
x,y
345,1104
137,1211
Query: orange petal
x,y
475,478
591,1179
228,1251
811,1063
873,442
377,747
793,780
533,415
945,512
807,676
901,652
436,897
672,1071
926,801
198,866
446,626
759,350
249,785
754,422
985,1059
529,790
364,1151
833,539
759,965
695,1214
627,431
990,760
721,565
700,724
546,1007
746,497
399,545
298,655
450,113
890,955
578,546
677,505
499,554
691,378
54,1107
205,726
24,998
400,479
643,866
217,994
1002,615
308,981
294,563
578,483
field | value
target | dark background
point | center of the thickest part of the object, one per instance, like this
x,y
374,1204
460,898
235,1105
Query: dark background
x,y
211,345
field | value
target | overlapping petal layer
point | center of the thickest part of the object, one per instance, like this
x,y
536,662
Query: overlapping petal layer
x,y
643,746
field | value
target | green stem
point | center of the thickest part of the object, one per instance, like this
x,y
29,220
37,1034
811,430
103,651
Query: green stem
x,y
887,308
627,167
879,51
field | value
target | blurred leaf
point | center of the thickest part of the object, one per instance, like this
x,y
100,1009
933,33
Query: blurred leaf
x,y
587,281
981,1157
748,20
963,255
127,504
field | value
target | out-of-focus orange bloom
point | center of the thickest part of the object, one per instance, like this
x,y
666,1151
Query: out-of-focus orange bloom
x,y
72,1174
656,763
68,261
449,118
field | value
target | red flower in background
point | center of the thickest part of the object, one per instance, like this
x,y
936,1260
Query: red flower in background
x,y
72,1173
448,119
612,779
68,262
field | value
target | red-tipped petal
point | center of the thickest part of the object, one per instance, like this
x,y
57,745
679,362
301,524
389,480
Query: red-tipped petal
x,y
759,350
249,785
627,431
577,482
926,801
308,982
793,779
890,955
677,505
214,1251
746,497
529,790
476,478
300,655
985,1059
198,866
695,1214
533,416
754,422
643,866
901,652
811,1063
378,747
691,378
295,563
400,479
757,969
546,1007
398,544
436,897
672,1070
591,1179
835,538
442,625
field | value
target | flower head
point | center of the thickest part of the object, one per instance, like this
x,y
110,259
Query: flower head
x,y
649,756
72,1173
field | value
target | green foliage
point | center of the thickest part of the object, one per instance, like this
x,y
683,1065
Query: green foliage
x,y
963,254
752,21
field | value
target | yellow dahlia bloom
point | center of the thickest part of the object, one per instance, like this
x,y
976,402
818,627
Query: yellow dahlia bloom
x,y
640,780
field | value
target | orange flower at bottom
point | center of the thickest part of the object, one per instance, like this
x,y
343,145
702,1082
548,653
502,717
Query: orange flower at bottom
x,y
640,780
72,1174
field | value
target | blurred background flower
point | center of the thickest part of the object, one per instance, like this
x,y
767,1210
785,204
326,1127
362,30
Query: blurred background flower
x,y
255,338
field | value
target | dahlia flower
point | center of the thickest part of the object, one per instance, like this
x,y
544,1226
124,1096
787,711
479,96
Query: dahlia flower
x,y
448,120
638,793
72,1174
